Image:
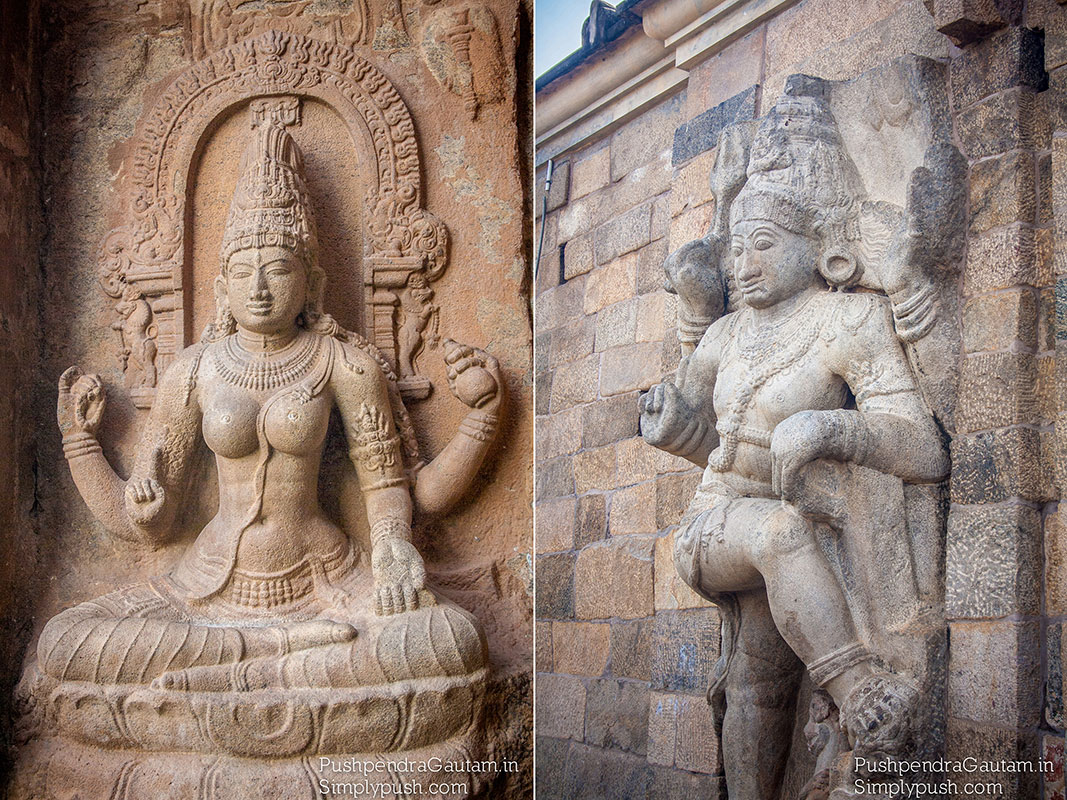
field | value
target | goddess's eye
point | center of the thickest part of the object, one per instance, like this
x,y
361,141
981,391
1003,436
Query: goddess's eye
x,y
240,274
764,244
735,251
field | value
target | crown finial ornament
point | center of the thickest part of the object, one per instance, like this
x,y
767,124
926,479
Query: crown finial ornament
x,y
271,206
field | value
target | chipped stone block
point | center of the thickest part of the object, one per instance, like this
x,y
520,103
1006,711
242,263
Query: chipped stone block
x,y
555,525
966,21
995,466
594,469
631,642
994,673
591,523
580,217
1005,122
560,706
575,383
998,321
555,586
1003,191
993,561
685,647
590,171
609,420
578,256
610,283
561,304
572,341
642,185
613,578
1010,57
1001,259
616,715
996,390
633,510
671,591
635,366
558,193
580,648
616,325
623,234
701,133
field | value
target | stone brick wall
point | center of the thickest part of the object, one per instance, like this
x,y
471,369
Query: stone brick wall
x,y
20,234
623,649
1004,478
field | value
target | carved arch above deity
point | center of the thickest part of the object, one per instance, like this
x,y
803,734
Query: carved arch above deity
x,y
146,255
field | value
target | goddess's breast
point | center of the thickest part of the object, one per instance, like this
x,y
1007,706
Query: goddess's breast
x,y
293,422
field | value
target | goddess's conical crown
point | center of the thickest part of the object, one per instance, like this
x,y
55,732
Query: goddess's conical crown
x,y
270,205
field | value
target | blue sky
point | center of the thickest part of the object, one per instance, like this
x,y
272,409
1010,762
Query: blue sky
x,y
557,30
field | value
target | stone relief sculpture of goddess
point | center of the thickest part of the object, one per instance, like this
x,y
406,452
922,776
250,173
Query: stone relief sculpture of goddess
x,y
803,406
272,603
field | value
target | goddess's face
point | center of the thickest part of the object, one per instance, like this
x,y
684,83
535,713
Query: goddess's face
x,y
267,289
771,264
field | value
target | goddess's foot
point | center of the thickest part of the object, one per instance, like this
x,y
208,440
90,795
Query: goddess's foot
x,y
877,716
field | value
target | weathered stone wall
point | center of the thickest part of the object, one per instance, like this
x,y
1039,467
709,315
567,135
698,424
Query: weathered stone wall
x,y
623,648
1005,484
20,233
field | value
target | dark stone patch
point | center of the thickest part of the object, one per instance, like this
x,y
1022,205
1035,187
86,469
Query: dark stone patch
x,y
702,132
555,586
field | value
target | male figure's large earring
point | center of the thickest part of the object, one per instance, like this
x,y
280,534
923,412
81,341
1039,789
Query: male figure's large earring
x,y
840,267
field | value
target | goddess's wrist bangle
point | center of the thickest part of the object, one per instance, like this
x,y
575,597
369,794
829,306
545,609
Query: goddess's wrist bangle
x,y
79,444
390,527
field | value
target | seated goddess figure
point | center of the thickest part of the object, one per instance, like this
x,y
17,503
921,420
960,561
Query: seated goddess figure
x,y
272,593
801,371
